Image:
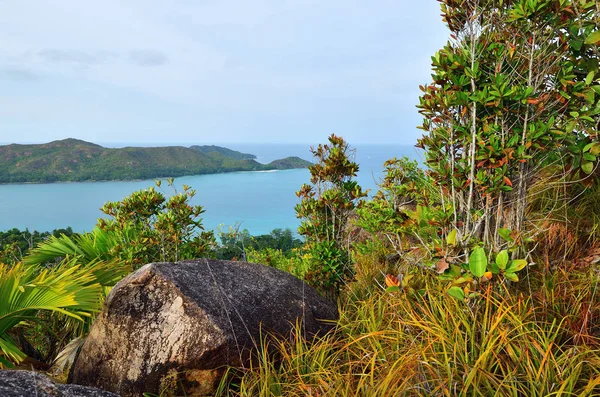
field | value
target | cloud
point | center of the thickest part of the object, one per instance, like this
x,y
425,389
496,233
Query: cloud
x,y
19,74
296,65
148,57
71,56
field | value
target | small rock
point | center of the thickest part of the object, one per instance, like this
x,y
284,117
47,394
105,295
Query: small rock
x,y
29,384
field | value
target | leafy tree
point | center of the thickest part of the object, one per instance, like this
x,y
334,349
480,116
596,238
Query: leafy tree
x,y
236,243
233,243
152,228
294,263
514,90
279,239
15,243
325,207
406,211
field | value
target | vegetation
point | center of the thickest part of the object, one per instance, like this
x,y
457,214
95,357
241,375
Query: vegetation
x,y
476,276
506,344
236,244
325,207
150,228
448,295
74,160
71,290
15,243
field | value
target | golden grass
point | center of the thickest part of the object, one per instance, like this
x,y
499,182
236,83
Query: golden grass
x,y
402,344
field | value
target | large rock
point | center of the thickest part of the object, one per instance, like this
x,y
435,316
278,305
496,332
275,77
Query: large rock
x,y
188,320
29,383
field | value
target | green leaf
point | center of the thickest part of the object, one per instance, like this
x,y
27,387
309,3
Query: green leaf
x,y
455,270
502,259
587,167
5,363
462,280
451,239
516,265
457,292
511,277
576,44
493,267
589,78
393,288
593,38
505,234
478,262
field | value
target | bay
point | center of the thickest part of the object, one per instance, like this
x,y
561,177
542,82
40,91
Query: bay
x,y
257,201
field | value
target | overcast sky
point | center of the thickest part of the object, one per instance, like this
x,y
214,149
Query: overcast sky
x,y
214,71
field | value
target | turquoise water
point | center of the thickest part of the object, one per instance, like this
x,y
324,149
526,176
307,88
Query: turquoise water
x,y
259,201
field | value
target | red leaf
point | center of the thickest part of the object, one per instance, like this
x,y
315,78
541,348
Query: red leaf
x,y
507,181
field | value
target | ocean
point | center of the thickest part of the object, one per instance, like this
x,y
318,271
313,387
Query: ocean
x,y
256,201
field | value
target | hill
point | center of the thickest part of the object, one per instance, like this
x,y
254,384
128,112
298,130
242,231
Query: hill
x,y
75,160
224,151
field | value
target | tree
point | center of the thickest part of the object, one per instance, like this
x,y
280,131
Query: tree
x,y
512,92
153,228
325,207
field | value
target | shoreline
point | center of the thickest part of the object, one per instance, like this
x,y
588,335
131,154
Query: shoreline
x,y
146,179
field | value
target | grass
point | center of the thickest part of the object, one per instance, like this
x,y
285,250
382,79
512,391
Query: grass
x,y
503,343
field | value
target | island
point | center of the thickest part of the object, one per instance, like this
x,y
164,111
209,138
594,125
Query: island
x,y
74,160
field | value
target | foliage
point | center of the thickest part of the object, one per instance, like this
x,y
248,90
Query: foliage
x,y
421,345
567,216
407,217
513,91
235,243
93,252
292,263
86,247
325,208
404,213
149,227
69,289
15,243
75,160
146,227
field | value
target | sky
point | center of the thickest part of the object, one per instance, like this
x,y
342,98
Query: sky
x,y
215,71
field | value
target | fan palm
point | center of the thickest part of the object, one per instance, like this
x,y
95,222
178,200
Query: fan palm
x,y
87,247
71,290
74,289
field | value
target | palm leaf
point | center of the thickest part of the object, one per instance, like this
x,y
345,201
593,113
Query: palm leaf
x,y
87,247
71,290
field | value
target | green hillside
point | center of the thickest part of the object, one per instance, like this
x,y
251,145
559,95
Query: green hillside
x,y
208,149
76,160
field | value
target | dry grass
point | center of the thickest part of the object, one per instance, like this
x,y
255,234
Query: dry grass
x,y
502,344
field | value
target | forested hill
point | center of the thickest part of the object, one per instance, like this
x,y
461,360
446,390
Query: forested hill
x,y
76,160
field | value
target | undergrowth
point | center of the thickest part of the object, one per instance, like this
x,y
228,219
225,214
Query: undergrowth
x,y
503,343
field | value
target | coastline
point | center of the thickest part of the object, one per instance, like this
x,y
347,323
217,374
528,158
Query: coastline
x,y
146,179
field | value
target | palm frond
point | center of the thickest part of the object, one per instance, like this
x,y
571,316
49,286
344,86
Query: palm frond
x,y
70,289
87,247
